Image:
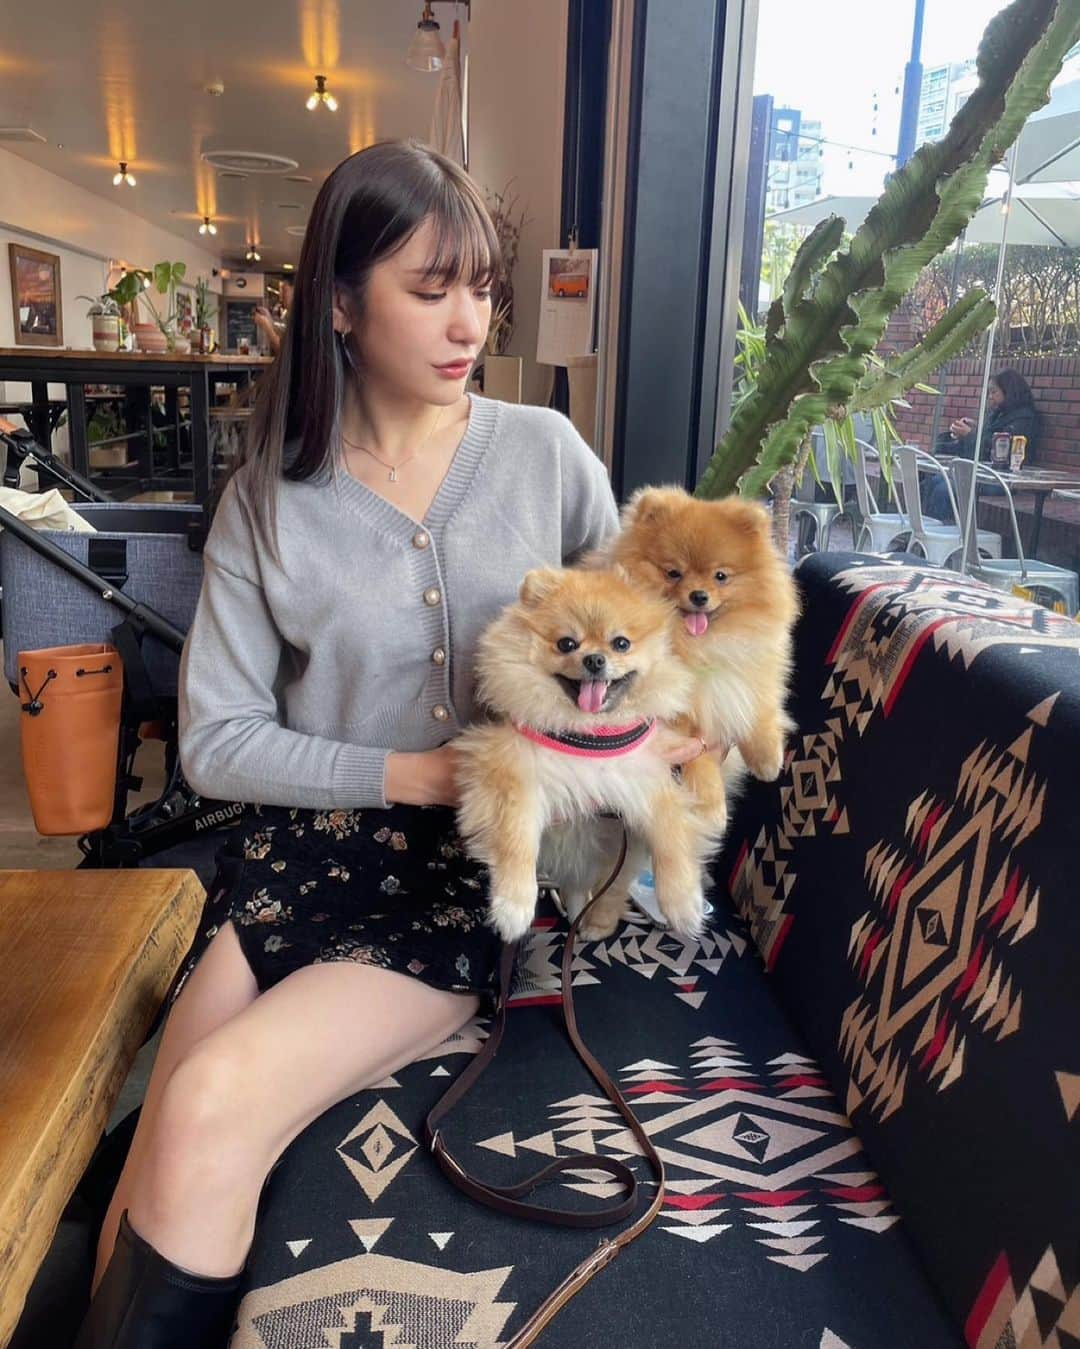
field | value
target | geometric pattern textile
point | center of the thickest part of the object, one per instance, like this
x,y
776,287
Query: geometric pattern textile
x,y
910,882
777,1229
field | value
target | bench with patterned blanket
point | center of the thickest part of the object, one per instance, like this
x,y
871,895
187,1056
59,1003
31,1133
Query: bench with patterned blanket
x,y
863,1080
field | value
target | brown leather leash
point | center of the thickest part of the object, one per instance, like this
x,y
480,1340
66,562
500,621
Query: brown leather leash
x,y
507,1199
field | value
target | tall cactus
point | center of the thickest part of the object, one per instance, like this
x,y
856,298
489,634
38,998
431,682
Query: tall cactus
x,y
836,305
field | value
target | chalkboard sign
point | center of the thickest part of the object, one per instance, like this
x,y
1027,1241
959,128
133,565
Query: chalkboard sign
x,y
240,322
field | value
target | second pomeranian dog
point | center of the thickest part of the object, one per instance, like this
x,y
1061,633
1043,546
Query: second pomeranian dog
x,y
577,674
737,603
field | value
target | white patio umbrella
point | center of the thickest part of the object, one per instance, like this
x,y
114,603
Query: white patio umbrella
x,y
1041,213
447,134
1049,149
853,210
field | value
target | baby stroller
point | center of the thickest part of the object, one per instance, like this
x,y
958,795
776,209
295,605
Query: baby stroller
x,y
134,583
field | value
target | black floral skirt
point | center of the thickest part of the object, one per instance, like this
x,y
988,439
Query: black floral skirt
x,y
392,888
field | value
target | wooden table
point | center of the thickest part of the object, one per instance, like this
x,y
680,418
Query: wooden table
x,y
86,958
42,366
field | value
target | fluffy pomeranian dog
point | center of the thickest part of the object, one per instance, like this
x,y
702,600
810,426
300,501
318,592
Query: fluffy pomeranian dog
x,y
715,561
577,674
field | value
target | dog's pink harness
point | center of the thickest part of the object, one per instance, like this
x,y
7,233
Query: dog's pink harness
x,y
606,742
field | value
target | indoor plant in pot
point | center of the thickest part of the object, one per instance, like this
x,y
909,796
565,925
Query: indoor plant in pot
x,y
159,334
202,336
104,313
502,372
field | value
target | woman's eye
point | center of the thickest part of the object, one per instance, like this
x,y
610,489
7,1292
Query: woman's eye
x,y
721,577
673,575
566,645
427,295
483,295
621,643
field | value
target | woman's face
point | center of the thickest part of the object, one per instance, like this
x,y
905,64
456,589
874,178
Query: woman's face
x,y
419,339
995,397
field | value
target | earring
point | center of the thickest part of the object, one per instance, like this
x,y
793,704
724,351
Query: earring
x,y
346,352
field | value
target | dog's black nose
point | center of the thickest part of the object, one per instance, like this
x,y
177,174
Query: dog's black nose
x,y
699,597
595,663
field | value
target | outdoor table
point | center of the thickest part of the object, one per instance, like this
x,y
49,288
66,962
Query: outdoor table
x,y
1039,483
40,367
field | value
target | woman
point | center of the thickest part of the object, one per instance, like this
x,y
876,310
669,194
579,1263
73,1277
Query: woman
x,y
1012,409
381,519
265,323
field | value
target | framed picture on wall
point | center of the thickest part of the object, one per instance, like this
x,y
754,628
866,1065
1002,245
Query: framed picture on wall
x,y
37,308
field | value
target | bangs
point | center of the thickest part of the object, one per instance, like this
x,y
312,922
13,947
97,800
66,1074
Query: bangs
x,y
466,246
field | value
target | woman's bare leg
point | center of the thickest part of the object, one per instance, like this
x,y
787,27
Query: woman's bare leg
x,y
220,986
239,1097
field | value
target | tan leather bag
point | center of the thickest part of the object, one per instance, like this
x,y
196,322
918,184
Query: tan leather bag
x,y
70,731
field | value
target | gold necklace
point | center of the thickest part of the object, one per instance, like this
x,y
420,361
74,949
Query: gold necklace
x,y
392,476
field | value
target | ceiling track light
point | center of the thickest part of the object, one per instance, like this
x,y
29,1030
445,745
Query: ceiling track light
x,y
207,226
252,254
123,176
321,94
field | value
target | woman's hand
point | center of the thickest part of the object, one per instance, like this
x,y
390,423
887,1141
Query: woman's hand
x,y
680,749
427,778
963,426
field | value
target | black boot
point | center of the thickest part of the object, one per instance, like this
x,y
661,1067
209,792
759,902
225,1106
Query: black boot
x,y
145,1302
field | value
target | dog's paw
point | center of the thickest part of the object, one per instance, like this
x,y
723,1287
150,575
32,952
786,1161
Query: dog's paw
x,y
511,915
766,766
684,909
601,921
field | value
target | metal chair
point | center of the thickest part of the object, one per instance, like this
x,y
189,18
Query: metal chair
x,y
1005,573
939,543
806,511
816,518
876,528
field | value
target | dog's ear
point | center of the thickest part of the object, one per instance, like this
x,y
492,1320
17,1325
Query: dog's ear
x,y
749,516
538,585
647,506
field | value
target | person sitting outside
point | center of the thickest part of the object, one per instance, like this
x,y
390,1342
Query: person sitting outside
x,y
1012,410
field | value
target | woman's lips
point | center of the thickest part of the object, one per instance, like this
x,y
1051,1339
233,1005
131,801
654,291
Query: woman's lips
x,y
457,370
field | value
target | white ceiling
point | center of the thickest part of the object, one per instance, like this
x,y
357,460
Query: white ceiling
x,y
104,80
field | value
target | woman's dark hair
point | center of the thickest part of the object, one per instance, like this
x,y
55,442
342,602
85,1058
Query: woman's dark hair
x,y
1015,390
365,211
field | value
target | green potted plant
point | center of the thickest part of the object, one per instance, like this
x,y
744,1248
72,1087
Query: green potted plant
x,y
202,337
104,313
160,333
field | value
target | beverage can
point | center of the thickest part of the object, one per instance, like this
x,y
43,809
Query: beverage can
x,y
1000,446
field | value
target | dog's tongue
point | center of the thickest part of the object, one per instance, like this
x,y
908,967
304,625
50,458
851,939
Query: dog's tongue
x,y
696,623
591,694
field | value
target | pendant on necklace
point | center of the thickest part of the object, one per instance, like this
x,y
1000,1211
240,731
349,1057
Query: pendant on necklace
x,y
393,475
